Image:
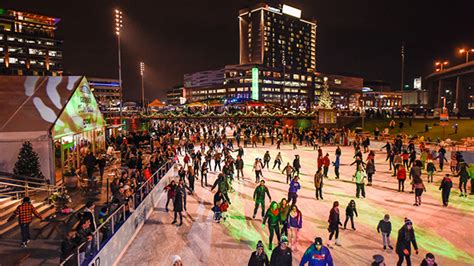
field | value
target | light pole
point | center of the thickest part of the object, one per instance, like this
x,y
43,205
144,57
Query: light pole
x,y
402,73
440,65
142,74
118,28
467,51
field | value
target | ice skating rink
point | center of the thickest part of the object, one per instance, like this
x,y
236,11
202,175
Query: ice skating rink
x,y
446,232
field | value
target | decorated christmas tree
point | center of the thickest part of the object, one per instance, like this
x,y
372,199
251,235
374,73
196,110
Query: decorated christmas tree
x,y
28,162
325,101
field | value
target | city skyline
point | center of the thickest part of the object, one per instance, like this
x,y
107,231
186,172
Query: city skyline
x,y
361,38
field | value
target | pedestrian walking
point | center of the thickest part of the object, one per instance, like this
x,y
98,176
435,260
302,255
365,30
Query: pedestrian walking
x,y
317,255
406,238
25,212
385,228
334,223
350,211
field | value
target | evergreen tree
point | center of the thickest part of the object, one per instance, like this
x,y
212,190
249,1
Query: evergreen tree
x,y
325,100
28,162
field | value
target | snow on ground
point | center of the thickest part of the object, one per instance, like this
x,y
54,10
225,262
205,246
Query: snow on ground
x,y
446,232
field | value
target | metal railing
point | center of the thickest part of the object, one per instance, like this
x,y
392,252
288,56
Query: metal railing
x,y
111,225
26,187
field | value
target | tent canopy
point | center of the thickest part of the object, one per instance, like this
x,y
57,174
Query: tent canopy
x,y
33,103
156,103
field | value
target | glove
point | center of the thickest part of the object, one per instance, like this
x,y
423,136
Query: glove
x,y
416,251
405,251
263,226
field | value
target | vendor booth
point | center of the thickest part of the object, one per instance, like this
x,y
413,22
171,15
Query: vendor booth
x,y
58,115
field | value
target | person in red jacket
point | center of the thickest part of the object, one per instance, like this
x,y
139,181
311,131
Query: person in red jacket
x,y
326,163
401,176
170,188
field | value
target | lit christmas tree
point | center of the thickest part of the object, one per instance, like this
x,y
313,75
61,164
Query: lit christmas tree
x,y
325,100
28,162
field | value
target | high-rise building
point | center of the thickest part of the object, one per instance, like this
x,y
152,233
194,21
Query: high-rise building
x,y
107,94
28,45
277,37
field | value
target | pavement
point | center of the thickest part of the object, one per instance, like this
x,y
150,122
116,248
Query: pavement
x,y
443,231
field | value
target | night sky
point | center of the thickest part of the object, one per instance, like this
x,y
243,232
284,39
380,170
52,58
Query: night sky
x,y
361,38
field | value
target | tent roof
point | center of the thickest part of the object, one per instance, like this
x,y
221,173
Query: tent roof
x,y
156,103
33,103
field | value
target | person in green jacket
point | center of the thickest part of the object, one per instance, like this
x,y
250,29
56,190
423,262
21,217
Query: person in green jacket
x,y
273,217
259,198
360,183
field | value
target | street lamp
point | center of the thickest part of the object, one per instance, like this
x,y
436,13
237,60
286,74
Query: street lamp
x,y
142,74
467,51
118,28
440,65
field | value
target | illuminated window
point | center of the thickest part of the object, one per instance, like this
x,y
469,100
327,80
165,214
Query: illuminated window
x,y
2,60
1,49
296,76
13,60
337,81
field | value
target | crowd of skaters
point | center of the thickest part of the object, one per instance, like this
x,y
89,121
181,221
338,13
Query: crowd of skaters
x,y
206,148
203,147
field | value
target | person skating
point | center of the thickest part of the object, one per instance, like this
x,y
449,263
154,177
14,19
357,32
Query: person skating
x,y
259,257
326,163
336,164
360,183
334,223
170,189
277,161
257,167
295,223
179,202
445,187
370,170
401,177
406,238
430,169
281,255
385,228
204,170
239,166
222,185
191,178
318,184
350,211
317,255
259,198
266,160
288,170
273,216
429,260
463,173
25,212
297,165
418,187
293,190
284,209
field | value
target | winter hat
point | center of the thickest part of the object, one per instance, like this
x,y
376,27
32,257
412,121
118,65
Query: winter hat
x,y
176,258
408,221
378,258
284,239
259,244
318,241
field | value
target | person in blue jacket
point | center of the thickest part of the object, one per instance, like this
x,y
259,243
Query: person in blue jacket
x,y
317,255
293,190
